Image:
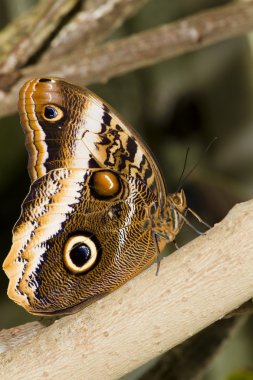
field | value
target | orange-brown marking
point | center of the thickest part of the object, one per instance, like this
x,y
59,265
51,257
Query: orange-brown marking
x,y
106,184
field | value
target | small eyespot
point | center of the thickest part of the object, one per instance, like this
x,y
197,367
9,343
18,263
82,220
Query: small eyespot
x,y
105,184
80,254
52,113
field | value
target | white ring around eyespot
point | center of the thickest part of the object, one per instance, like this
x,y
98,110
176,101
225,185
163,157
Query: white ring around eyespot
x,y
74,240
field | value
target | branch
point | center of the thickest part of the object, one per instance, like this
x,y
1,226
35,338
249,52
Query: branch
x,y
92,24
152,46
28,36
121,56
190,359
196,286
16,335
22,38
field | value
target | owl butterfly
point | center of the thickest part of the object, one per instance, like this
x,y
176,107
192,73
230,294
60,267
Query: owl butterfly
x,y
97,212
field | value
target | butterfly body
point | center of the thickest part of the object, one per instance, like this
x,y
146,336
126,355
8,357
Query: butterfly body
x,y
97,210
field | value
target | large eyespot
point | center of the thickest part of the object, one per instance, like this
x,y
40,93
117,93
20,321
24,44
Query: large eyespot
x,y
52,113
80,254
105,184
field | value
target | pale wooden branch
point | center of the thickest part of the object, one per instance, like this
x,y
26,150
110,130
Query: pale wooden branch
x,y
121,56
196,286
16,335
190,359
152,46
92,24
24,36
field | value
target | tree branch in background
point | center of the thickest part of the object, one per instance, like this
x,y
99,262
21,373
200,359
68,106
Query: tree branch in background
x,y
24,38
196,286
121,56
21,39
92,24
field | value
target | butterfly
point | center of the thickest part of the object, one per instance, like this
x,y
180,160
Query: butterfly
x,y
97,212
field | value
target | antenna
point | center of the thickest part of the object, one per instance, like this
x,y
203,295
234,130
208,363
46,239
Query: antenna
x,y
184,167
194,166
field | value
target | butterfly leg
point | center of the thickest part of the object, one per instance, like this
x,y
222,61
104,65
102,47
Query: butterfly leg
x,y
158,261
175,244
198,217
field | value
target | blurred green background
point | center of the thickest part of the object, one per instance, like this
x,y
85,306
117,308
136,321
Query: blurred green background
x,y
184,102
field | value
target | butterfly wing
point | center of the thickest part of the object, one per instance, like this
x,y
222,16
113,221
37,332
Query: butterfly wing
x,y
87,133
85,225
62,205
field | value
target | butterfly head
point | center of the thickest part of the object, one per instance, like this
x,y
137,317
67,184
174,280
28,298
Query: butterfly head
x,y
178,201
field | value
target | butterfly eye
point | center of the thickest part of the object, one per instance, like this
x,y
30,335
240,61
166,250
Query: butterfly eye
x,y
80,254
52,113
177,200
105,184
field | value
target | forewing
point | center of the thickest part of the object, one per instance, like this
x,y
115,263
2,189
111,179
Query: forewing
x,y
90,134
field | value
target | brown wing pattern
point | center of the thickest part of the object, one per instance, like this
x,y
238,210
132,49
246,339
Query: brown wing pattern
x,y
89,135
58,205
97,206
